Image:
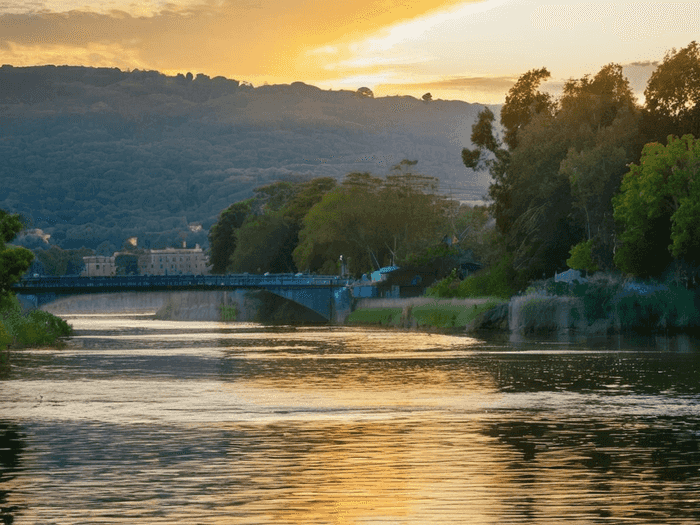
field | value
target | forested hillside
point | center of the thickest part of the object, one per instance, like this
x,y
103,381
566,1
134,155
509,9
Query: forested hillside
x,y
94,156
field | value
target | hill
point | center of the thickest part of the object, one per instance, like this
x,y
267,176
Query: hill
x,y
93,156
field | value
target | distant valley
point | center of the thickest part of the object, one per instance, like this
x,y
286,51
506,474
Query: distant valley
x,y
94,156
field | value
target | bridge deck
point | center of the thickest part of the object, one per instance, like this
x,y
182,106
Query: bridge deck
x,y
44,284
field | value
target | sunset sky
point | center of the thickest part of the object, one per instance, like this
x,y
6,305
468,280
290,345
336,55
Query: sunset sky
x,y
456,49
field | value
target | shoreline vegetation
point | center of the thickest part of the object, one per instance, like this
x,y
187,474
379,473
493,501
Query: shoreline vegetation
x,y
425,313
23,329
603,305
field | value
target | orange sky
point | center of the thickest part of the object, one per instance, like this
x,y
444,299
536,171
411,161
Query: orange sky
x,y
469,50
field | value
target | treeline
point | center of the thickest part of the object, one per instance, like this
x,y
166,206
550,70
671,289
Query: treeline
x,y
94,156
593,180
361,223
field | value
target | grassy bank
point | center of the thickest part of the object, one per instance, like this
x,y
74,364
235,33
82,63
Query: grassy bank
x,y
421,312
24,329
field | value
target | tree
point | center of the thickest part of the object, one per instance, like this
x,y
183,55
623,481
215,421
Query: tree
x,y
672,96
365,92
222,235
602,125
582,258
14,260
427,97
127,263
657,207
56,261
264,243
523,102
373,222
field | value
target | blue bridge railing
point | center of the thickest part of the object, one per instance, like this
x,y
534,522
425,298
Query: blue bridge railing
x,y
32,285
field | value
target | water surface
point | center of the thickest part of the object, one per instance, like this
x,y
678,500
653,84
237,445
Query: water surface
x,y
146,421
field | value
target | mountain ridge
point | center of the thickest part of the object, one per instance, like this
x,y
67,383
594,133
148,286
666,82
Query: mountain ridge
x,y
95,155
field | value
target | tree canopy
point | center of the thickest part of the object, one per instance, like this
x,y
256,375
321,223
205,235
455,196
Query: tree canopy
x,y
659,208
559,165
672,96
14,260
373,222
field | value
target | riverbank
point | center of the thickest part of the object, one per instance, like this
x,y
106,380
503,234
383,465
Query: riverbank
x,y
19,329
597,308
426,313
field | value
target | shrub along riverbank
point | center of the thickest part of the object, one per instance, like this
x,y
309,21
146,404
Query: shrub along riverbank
x,y
23,329
604,304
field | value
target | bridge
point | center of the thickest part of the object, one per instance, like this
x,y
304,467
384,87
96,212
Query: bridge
x,y
325,295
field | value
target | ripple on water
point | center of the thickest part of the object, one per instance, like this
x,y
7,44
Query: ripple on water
x,y
141,421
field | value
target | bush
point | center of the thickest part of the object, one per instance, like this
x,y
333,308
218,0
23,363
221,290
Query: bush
x,y
34,328
497,281
672,308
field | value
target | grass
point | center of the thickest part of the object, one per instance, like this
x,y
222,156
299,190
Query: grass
x,y
376,316
419,312
448,315
228,313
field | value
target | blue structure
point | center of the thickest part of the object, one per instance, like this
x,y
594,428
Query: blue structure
x,y
328,296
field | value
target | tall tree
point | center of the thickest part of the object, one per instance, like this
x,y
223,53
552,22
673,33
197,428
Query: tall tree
x,y
269,234
222,235
672,96
523,102
601,120
560,164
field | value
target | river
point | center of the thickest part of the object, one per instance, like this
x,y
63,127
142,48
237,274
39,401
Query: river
x,y
144,421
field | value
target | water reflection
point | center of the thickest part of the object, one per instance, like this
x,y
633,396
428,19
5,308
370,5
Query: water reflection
x,y
11,447
144,421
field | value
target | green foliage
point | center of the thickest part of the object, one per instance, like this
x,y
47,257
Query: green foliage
x,y
14,260
665,309
497,281
56,261
222,235
446,287
373,222
523,102
35,328
658,208
610,303
582,257
264,243
598,297
228,312
672,95
269,232
5,338
95,154
127,264
565,159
